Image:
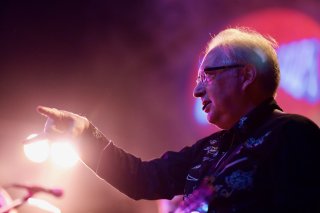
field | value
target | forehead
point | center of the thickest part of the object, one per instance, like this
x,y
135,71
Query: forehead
x,y
215,57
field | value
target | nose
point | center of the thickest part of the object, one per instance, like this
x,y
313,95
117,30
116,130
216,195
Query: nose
x,y
199,90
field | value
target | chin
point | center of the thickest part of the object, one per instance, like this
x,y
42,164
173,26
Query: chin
x,y
215,121
211,119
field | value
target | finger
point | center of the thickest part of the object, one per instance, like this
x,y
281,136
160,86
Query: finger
x,y
52,113
43,137
35,138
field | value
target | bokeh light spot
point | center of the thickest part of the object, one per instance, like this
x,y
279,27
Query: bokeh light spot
x,y
38,151
63,154
44,205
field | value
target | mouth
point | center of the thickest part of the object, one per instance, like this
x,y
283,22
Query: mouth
x,y
205,104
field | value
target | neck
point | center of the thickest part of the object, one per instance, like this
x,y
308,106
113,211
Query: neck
x,y
243,109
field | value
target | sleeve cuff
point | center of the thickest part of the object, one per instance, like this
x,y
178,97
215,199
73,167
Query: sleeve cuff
x,y
91,146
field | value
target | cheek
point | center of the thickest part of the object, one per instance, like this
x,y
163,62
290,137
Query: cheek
x,y
215,91
211,92
223,94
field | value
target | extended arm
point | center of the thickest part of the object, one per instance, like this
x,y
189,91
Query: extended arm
x,y
159,178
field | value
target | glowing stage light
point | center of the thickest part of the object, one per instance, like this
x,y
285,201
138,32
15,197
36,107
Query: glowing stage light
x,y
44,205
300,69
63,154
37,151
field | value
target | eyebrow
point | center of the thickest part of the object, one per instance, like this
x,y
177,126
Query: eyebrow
x,y
208,69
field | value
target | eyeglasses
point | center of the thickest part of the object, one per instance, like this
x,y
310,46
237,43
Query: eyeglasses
x,y
210,73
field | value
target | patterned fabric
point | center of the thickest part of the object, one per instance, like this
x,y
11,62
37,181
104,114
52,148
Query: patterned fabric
x,y
224,159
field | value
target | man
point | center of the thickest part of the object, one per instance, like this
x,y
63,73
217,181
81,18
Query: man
x,y
263,160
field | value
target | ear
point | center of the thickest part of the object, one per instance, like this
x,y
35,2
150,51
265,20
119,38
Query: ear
x,y
249,74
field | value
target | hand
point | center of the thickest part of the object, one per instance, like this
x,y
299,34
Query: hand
x,y
62,123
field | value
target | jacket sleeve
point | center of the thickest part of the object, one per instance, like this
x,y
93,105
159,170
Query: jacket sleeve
x,y
161,178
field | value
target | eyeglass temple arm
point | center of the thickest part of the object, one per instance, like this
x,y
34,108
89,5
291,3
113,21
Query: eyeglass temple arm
x,y
208,69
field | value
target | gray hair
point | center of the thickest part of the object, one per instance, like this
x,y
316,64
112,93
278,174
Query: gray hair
x,y
246,46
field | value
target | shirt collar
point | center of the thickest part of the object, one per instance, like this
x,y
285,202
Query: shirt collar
x,y
249,122
257,115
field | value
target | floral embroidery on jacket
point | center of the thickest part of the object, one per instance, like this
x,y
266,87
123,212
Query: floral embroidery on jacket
x,y
252,142
239,180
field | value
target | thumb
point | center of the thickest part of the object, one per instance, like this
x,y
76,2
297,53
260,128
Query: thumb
x,y
52,113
